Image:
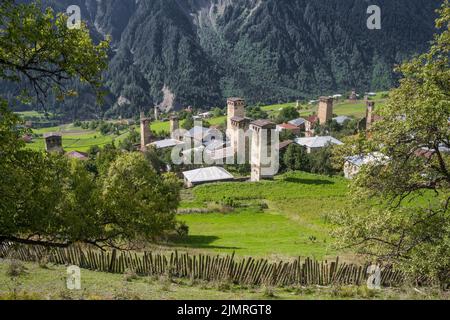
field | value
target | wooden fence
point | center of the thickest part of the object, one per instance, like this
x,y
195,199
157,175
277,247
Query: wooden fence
x,y
244,271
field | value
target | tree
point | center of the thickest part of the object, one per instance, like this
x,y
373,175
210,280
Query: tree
x,y
131,140
288,114
256,113
47,199
188,124
321,161
156,160
217,112
45,53
137,200
296,158
405,219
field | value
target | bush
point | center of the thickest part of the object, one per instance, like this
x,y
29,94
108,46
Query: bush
x,y
182,229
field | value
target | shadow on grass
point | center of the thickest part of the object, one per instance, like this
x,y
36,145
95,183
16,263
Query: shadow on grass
x,y
201,242
309,181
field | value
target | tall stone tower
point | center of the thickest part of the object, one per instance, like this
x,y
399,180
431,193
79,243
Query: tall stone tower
x,y
264,155
145,131
53,142
174,128
239,127
236,108
353,96
325,112
370,117
156,111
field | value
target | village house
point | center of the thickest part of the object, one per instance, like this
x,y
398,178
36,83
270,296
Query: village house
x,y
206,175
77,155
316,143
166,143
206,115
299,123
310,124
341,119
27,138
287,127
354,164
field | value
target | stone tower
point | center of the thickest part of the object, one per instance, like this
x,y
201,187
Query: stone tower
x,y
325,112
156,110
239,127
236,123
353,96
53,142
236,108
174,128
370,117
264,155
145,131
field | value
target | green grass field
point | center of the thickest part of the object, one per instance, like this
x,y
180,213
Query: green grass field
x,y
76,139
294,224
31,114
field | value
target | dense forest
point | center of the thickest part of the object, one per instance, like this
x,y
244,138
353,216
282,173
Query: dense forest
x,y
198,52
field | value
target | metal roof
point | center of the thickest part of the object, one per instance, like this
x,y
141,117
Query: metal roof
x,y
210,174
360,160
197,131
341,119
317,142
297,122
77,155
167,143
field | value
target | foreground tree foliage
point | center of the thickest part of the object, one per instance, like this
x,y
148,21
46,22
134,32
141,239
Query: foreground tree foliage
x,y
406,218
47,199
37,48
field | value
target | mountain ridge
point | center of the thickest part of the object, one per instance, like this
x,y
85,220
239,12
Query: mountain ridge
x,y
201,51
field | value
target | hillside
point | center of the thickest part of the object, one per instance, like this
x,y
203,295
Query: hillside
x,y
201,51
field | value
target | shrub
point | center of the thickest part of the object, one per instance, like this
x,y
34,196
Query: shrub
x,y
182,229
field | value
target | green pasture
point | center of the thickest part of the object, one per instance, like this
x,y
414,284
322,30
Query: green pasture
x,y
75,139
292,223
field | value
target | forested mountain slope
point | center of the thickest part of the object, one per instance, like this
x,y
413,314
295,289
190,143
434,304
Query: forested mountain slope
x,y
201,51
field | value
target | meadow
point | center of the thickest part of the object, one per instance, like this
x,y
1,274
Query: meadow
x,y
287,217
341,108
76,139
